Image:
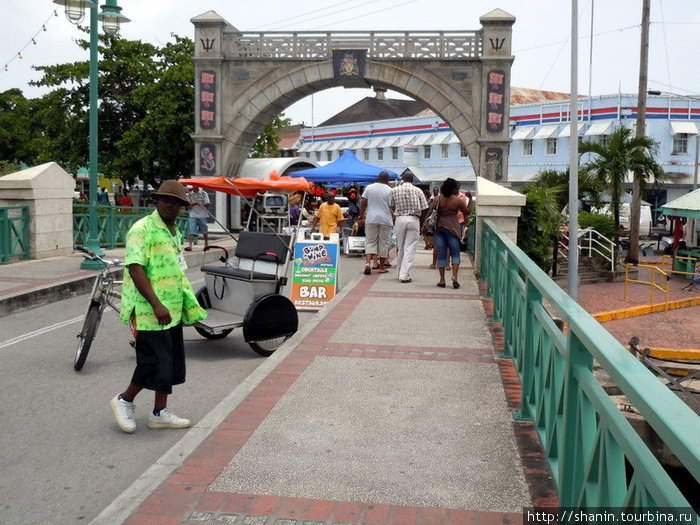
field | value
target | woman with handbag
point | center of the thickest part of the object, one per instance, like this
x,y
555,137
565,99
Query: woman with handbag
x,y
448,232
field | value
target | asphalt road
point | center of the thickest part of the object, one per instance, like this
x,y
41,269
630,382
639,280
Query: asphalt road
x,y
63,457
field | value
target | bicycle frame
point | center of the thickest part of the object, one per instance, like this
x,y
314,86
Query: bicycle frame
x,y
103,294
103,290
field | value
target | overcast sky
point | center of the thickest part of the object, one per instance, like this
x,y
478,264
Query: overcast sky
x,y
541,38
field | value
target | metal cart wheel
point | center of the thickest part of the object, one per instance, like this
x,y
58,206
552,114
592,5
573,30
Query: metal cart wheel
x,y
269,322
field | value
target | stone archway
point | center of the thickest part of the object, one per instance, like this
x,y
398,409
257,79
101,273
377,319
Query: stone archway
x,y
244,80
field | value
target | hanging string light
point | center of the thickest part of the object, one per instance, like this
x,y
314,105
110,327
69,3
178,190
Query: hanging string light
x,y
31,41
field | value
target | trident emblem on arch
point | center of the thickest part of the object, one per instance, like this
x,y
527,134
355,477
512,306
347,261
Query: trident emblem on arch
x,y
497,43
207,44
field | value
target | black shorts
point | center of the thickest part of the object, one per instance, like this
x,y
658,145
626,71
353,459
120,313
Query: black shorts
x,y
160,359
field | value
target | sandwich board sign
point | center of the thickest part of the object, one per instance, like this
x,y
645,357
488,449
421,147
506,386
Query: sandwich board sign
x,y
315,272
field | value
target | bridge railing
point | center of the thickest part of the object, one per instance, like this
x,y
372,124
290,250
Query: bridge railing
x,y
596,457
319,45
113,223
14,233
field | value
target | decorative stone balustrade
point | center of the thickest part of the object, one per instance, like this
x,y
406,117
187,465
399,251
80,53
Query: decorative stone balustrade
x,y
386,45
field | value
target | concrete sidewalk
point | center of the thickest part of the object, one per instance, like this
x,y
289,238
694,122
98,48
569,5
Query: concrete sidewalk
x,y
388,407
28,284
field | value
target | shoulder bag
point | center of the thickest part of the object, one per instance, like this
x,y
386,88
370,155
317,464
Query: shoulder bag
x,y
432,218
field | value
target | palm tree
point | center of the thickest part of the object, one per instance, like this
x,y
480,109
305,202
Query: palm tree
x,y
612,163
587,185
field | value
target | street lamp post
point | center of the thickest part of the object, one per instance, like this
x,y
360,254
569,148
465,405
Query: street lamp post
x,y
111,19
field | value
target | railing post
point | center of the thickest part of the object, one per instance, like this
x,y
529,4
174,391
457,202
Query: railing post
x,y
5,237
25,232
111,227
575,427
533,297
510,297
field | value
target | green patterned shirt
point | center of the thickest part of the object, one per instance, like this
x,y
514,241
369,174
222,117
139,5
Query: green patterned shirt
x,y
150,244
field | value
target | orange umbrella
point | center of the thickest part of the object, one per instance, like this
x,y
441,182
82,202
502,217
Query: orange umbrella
x,y
248,187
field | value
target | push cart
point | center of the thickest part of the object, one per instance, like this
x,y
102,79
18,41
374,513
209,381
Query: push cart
x,y
245,290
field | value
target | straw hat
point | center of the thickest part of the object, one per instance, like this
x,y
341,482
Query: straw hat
x,y
171,188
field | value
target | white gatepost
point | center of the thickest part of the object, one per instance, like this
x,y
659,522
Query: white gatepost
x,y
499,204
48,192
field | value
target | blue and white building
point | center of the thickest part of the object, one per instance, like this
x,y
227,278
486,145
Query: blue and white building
x,y
539,132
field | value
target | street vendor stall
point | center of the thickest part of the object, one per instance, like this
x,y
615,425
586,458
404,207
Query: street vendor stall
x,y
687,206
346,169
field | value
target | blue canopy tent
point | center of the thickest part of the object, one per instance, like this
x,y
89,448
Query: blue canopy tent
x,y
347,168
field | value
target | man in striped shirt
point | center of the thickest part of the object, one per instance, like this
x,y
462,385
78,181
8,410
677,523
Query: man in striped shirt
x,y
408,203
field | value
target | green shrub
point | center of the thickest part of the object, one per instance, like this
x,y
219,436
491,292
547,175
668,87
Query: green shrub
x,y
603,224
538,225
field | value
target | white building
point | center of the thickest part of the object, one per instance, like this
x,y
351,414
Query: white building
x,y
416,138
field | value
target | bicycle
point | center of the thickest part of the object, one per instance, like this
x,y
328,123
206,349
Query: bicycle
x,y
103,295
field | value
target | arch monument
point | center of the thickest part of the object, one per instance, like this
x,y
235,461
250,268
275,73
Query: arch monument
x,y
245,79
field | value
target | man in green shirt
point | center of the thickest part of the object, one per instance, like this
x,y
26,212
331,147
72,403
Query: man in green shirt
x,y
157,299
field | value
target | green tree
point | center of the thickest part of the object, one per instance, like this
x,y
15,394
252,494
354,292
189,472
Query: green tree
x,y
159,145
539,222
124,66
559,180
21,136
146,111
612,163
267,143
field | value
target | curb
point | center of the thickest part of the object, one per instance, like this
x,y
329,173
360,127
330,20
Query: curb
x,y
49,294
128,501
68,288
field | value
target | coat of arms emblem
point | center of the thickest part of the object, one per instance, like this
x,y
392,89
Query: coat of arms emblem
x,y
348,66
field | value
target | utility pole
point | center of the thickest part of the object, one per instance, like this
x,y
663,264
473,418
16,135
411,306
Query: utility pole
x,y
573,157
635,207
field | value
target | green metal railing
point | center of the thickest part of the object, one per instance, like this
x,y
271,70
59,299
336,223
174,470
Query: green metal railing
x,y
471,238
14,233
113,223
596,457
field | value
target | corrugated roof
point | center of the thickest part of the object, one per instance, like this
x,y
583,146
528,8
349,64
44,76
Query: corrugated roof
x,y
528,96
686,206
370,109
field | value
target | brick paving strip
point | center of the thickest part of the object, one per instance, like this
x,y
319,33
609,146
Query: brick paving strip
x,y
184,498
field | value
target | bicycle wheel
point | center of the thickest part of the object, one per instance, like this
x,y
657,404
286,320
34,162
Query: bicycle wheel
x,y
203,299
87,334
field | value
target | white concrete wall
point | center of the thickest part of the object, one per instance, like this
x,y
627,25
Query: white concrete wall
x,y
499,204
48,192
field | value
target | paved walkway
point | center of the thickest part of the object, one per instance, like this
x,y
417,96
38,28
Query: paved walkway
x,y
390,406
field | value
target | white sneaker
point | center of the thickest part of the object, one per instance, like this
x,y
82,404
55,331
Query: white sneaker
x,y
124,414
167,419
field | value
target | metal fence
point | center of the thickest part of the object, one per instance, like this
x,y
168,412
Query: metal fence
x,y
596,457
113,223
14,233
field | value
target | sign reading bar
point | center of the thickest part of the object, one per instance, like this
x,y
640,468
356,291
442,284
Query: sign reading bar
x,y
314,274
